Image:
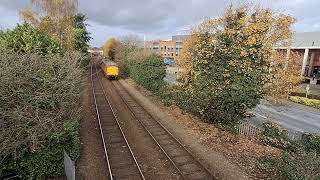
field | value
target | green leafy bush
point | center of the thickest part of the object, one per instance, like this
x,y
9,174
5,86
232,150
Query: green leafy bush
x,y
49,160
311,142
27,39
300,165
306,101
39,112
146,69
273,134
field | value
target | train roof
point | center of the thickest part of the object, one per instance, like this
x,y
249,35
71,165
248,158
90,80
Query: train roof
x,y
110,63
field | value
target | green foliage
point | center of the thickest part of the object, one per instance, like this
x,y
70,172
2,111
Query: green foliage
x,y
49,160
306,101
223,85
27,39
227,60
82,36
273,134
311,142
292,166
147,70
39,112
299,160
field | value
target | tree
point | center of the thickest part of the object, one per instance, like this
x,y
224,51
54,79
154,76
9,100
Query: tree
x,y
284,75
229,62
109,48
127,44
27,39
82,36
55,18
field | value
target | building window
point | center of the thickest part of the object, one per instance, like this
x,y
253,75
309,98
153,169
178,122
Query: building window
x,y
155,45
171,54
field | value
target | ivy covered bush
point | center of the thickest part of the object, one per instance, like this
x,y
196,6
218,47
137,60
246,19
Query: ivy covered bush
x,y
27,39
275,135
299,160
299,165
146,69
227,62
39,112
311,142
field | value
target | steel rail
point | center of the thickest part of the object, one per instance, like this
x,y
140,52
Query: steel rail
x,y
166,130
117,121
99,121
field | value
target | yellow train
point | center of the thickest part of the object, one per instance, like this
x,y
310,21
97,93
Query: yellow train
x,y
110,69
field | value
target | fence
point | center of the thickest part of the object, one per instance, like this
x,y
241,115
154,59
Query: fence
x,y
251,130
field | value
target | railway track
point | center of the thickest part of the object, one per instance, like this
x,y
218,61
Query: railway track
x,y
187,165
121,161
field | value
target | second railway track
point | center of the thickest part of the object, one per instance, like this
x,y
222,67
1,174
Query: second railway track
x,y
121,161
184,162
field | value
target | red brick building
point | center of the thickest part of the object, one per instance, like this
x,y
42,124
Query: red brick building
x,y
168,49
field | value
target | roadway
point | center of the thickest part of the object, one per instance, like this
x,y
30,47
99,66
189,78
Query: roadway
x,y
290,115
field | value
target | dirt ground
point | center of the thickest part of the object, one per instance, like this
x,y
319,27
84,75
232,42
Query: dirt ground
x,y
92,163
230,156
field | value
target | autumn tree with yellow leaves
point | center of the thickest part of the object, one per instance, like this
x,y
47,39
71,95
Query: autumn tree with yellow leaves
x,y
109,48
284,75
227,62
55,18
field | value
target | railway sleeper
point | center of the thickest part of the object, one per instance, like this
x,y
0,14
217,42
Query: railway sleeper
x,y
199,175
130,171
115,141
190,168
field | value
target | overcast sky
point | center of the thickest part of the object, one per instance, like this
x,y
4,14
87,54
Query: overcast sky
x,y
160,18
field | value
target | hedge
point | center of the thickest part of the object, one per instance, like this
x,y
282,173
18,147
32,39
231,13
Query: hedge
x,y
39,112
306,101
299,160
146,69
47,162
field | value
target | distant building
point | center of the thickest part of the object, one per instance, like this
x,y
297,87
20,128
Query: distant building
x,y
308,45
168,49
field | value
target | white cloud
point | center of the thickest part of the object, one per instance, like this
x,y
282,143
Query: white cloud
x,y
161,18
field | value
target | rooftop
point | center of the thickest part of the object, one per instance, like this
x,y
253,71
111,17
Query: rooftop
x,y
306,39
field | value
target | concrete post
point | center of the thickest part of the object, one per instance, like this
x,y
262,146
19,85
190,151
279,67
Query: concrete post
x,y
311,64
287,59
305,60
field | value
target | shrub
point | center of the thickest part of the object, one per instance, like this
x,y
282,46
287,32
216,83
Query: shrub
x,y
228,62
147,70
49,160
27,39
305,101
311,142
300,165
273,134
39,112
